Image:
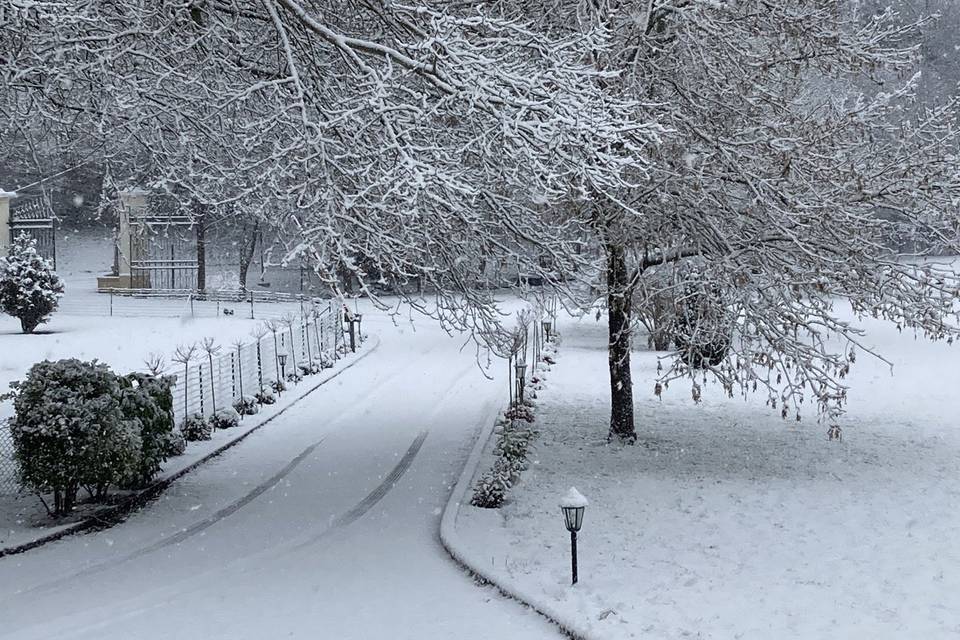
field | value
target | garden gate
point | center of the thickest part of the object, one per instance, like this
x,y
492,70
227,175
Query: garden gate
x,y
32,216
163,246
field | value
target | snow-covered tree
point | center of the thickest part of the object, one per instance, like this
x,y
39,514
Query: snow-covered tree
x,y
30,289
415,136
796,168
774,145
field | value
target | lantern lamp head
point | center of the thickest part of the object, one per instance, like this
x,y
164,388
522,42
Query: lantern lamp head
x,y
573,505
283,359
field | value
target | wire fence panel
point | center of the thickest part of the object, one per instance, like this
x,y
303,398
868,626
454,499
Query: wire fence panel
x,y
9,483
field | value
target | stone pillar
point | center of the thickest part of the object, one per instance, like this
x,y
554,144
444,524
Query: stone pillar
x,y
5,198
133,202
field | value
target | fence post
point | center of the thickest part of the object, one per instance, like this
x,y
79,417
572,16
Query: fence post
x,y
259,365
200,374
293,348
111,302
190,295
186,390
251,305
213,383
305,332
240,367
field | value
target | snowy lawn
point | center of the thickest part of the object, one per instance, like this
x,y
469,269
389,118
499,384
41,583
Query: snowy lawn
x,y
122,343
725,521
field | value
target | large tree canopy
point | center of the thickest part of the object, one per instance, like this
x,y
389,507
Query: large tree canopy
x,y
755,161
413,135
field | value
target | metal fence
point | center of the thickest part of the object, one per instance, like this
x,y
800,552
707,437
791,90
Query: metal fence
x,y
177,303
8,467
210,377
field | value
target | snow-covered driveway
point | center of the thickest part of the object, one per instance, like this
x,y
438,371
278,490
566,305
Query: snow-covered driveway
x,y
324,524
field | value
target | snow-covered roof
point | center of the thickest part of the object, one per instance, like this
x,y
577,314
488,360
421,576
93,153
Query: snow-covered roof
x,y
7,194
573,498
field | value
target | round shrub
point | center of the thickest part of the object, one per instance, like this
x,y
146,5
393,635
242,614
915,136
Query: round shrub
x,y
246,406
196,428
70,431
265,397
225,418
176,444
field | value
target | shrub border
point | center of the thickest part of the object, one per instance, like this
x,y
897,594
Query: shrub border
x,y
460,552
118,513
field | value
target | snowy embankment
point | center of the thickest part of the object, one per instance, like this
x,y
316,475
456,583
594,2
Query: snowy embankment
x,y
725,521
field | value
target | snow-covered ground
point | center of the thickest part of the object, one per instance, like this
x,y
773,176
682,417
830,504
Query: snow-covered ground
x,y
322,525
726,522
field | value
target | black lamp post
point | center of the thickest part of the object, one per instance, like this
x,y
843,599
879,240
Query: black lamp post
x,y
573,506
282,357
520,369
547,326
358,317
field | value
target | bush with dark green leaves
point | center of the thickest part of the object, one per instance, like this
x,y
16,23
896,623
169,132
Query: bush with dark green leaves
x,y
70,431
147,401
196,428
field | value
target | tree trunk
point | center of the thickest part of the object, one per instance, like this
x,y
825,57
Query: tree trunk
x,y
247,249
28,324
620,307
200,218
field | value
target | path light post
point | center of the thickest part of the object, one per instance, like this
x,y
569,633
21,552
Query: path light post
x,y
573,506
282,356
547,327
521,372
358,318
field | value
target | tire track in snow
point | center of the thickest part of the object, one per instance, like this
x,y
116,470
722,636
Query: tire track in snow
x,y
389,482
157,597
347,518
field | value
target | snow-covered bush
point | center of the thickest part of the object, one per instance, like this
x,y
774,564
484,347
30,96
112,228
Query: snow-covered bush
x,y
70,431
491,489
294,377
196,428
246,406
265,397
309,368
30,290
326,359
225,418
147,403
514,442
278,387
176,444
519,412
